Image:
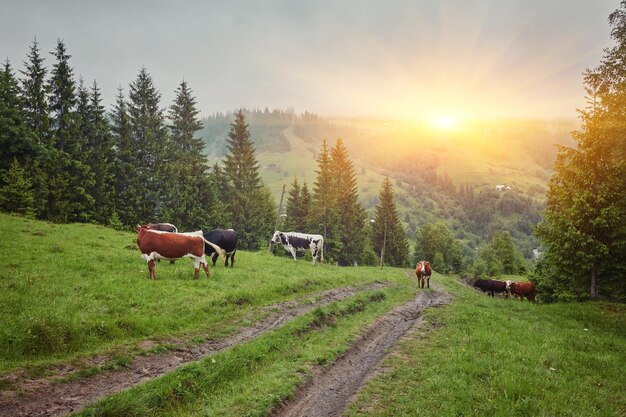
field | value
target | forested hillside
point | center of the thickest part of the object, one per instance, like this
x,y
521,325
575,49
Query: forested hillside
x,y
438,174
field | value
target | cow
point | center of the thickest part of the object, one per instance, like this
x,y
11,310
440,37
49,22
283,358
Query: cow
x,y
294,241
522,289
423,272
491,286
225,239
164,227
157,244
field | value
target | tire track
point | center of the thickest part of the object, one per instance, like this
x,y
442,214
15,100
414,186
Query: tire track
x,y
45,397
329,391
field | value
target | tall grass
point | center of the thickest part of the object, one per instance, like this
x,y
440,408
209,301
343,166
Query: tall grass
x,y
72,290
481,356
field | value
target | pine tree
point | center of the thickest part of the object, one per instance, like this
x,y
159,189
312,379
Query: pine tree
x,y
68,176
351,215
584,229
100,155
17,140
16,195
150,144
387,229
192,199
35,96
127,182
293,208
250,205
323,218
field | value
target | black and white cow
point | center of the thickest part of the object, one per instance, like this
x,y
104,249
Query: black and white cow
x,y
294,241
225,239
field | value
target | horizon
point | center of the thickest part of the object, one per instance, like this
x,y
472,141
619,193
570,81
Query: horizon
x,y
479,60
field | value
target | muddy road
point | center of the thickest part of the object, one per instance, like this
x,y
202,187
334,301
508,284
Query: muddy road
x,y
47,396
330,390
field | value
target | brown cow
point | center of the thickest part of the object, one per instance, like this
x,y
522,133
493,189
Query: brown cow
x,y
423,272
163,245
522,289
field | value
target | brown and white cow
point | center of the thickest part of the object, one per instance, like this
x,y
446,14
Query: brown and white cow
x,y
522,289
156,244
423,272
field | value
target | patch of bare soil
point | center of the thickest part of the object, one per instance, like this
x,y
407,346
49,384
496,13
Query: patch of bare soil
x,y
45,397
329,390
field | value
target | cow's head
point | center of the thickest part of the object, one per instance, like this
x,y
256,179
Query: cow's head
x,y
508,284
278,237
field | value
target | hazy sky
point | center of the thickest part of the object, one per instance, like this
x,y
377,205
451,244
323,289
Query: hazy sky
x,y
404,59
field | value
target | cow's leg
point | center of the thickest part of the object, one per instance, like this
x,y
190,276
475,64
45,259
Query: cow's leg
x,y
214,256
232,258
205,266
151,268
196,267
427,282
292,250
313,252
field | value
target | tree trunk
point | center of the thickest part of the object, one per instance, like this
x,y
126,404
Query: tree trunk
x,y
594,282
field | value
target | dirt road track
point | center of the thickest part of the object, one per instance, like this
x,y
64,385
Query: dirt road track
x,y
330,390
44,397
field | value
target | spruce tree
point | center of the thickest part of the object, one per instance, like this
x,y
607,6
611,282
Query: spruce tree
x,y
16,194
17,140
323,217
293,207
126,180
387,229
584,227
249,204
350,213
192,199
151,146
35,95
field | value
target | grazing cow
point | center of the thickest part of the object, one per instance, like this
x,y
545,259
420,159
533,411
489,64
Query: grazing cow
x,y
491,286
164,227
156,244
225,239
423,272
294,241
522,289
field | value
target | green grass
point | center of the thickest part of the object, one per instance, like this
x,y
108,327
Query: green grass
x,y
70,291
481,356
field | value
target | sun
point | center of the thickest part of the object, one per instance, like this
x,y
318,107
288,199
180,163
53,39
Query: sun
x,y
445,122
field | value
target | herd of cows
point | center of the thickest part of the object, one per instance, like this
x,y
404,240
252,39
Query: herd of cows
x,y
162,241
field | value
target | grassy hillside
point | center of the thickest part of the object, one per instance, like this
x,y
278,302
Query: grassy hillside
x,y
481,356
72,290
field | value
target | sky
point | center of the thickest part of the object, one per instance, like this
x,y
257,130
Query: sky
x,y
419,59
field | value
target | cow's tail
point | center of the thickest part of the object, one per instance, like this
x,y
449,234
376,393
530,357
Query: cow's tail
x,y
219,250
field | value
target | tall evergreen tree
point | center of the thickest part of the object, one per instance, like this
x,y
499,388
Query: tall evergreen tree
x,y
127,182
151,146
351,215
297,208
16,194
323,217
250,206
35,95
68,176
192,199
388,229
584,230
17,140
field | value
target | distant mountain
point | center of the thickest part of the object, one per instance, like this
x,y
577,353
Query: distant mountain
x,y
448,175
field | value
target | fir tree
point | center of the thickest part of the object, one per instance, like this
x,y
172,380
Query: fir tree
x,y
250,206
35,95
584,229
351,215
151,146
388,230
16,195
293,207
127,182
192,199
323,217
17,140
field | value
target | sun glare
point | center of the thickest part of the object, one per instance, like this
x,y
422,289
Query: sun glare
x,y
445,122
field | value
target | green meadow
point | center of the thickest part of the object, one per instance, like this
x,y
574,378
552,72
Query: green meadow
x,y
74,291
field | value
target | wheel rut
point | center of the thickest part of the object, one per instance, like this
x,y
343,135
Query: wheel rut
x,y
330,390
49,397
